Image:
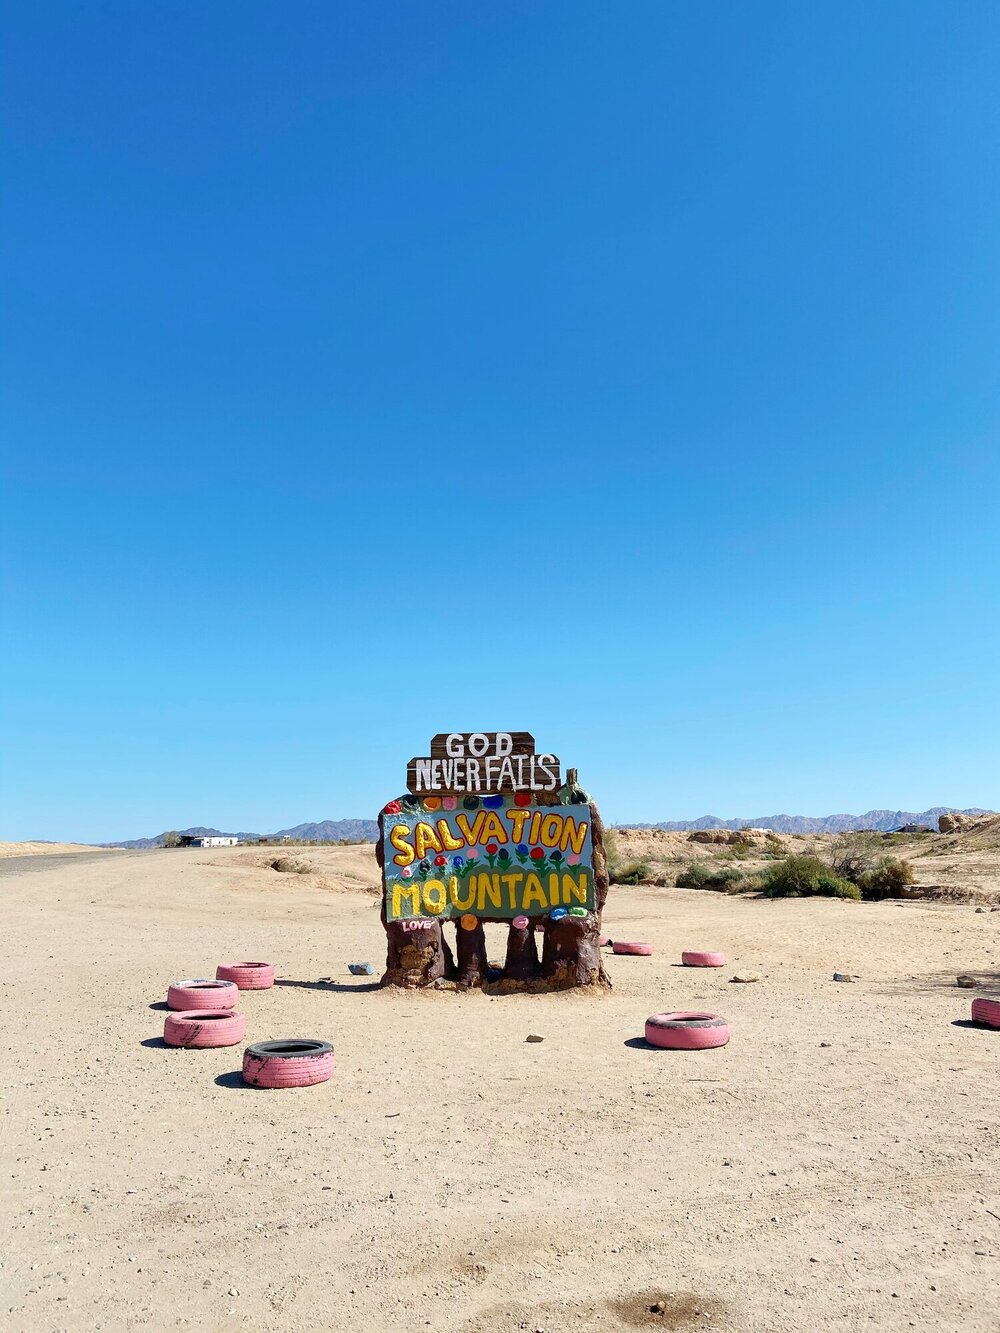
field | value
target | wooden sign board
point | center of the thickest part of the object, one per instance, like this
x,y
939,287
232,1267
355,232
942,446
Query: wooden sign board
x,y
497,863
483,762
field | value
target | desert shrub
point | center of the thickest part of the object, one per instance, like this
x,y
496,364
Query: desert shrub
x,y
885,879
854,854
805,876
729,879
633,872
694,876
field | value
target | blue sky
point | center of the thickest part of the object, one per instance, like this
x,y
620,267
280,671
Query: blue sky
x,y
624,374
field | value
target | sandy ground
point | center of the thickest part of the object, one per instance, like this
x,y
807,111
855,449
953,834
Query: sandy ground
x,y
47,848
834,1167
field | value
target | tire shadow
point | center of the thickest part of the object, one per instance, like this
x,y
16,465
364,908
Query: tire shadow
x,y
160,1005
234,1079
156,1044
641,1044
971,1023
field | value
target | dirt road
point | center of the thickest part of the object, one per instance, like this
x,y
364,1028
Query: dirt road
x,y
834,1167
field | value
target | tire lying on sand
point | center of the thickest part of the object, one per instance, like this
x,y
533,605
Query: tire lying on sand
x,y
295,1062
205,1027
247,976
986,1012
687,1031
702,958
636,947
201,993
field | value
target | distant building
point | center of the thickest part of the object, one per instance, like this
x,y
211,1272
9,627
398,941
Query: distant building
x,y
207,840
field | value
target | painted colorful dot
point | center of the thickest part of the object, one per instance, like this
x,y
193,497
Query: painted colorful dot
x,y
469,922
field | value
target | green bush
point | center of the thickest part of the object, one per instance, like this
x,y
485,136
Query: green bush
x,y
727,878
694,876
633,872
885,879
805,876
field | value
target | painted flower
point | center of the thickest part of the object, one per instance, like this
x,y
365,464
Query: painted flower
x,y
556,857
503,854
493,802
471,802
425,866
491,849
393,808
440,860
449,802
457,862
432,802
406,872
573,859
521,849
522,798
472,856
537,853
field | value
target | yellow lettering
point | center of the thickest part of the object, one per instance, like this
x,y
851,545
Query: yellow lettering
x,y
535,820
517,819
534,894
401,890
487,884
493,828
550,830
471,835
574,835
512,880
426,837
434,896
448,840
398,835
457,901
571,887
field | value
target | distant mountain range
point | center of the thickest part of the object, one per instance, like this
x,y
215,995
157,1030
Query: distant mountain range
x,y
883,820
327,830
366,830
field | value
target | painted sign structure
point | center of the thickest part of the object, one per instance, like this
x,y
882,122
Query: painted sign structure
x,y
488,832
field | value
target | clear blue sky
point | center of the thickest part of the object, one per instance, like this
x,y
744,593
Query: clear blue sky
x,y
627,374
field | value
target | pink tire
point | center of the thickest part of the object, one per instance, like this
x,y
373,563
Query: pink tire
x,y
603,941
632,947
702,958
686,1031
986,1011
200,993
296,1062
205,1027
247,976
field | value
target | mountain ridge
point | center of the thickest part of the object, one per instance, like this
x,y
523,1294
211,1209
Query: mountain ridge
x,y
366,830
885,821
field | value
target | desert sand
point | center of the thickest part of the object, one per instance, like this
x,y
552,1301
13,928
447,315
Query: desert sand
x,y
834,1167
48,849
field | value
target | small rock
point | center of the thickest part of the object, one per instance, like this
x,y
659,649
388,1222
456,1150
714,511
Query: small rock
x,y
966,982
980,910
533,1036
746,976
233,1291
842,976
360,969
824,1043
658,1308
